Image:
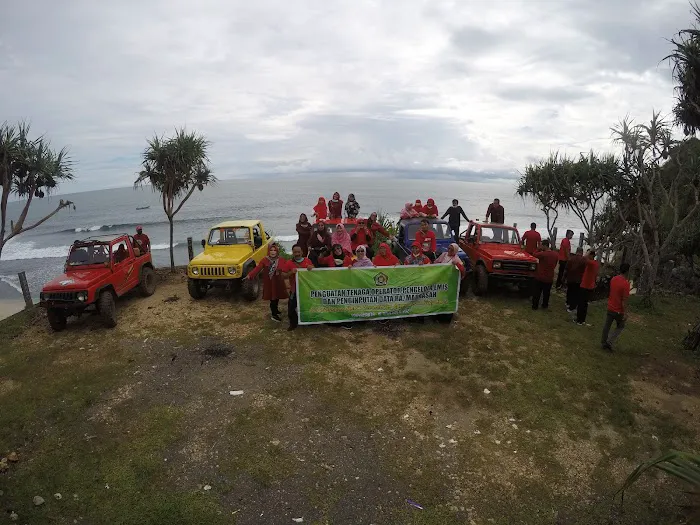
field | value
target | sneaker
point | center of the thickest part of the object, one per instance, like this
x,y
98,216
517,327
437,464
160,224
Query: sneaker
x,y
276,317
580,324
607,346
570,310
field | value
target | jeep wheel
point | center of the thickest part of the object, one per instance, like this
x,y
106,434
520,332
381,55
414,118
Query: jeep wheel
x,y
251,288
197,288
57,319
481,278
107,309
147,286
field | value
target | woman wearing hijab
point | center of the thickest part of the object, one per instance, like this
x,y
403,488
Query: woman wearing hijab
x,y
293,265
342,237
451,256
337,258
384,257
377,228
430,209
409,212
321,210
320,240
361,259
304,230
274,287
352,207
361,235
335,207
418,208
416,258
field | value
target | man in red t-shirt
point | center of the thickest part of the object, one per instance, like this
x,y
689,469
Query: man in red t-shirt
x,y
544,276
588,284
617,307
426,237
289,270
564,253
531,240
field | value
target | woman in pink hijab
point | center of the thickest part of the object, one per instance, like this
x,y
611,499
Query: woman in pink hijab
x,y
409,212
451,256
342,237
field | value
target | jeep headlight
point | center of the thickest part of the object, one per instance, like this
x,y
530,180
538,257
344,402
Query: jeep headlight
x,y
232,270
533,266
82,296
496,264
195,270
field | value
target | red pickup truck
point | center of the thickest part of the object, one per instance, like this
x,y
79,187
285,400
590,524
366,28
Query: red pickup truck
x,y
496,254
98,271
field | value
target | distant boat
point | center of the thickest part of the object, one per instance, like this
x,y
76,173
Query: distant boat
x,y
143,208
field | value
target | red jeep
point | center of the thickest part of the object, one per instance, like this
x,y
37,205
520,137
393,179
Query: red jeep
x,y
495,253
98,270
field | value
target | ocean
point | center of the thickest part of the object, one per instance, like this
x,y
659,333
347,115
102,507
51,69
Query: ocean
x,y
275,201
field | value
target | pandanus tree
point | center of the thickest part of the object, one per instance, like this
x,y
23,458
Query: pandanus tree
x,y
685,62
175,167
29,169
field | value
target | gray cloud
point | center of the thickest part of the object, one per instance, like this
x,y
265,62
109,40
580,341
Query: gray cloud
x,y
427,87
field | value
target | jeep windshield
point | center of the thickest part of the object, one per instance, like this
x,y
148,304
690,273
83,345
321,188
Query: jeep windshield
x,y
441,229
494,234
229,236
87,254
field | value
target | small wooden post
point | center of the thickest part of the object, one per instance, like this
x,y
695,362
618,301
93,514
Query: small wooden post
x,y
25,290
553,240
581,238
190,250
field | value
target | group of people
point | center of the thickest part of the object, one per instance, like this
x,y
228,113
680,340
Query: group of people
x,y
334,208
580,271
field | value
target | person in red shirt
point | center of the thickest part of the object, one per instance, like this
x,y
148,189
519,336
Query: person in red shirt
x,y
418,206
544,276
385,257
588,284
574,273
425,236
321,210
430,209
290,272
376,228
617,307
531,239
362,236
335,207
564,253
336,258
142,240
274,287
416,257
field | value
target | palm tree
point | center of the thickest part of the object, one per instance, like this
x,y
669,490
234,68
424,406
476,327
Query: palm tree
x,y
29,169
685,61
175,167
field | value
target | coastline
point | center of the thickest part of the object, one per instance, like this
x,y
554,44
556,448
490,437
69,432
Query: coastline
x,y
11,301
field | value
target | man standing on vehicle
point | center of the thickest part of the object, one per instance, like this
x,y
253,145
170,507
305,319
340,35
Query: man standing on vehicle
x,y
455,213
497,214
564,253
588,284
617,307
142,240
426,237
532,239
545,275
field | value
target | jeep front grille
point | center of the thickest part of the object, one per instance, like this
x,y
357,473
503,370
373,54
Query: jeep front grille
x,y
515,266
61,296
212,271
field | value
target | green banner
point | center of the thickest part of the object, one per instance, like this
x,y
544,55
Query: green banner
x,y
363,294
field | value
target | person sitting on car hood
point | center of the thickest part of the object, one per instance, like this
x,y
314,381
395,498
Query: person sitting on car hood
x,y
430,209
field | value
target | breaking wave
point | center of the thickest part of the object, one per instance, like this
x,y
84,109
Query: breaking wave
x,y
16,251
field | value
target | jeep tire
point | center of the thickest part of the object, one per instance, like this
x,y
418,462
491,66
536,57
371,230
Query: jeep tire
x,y
250,288
197,288
107,309
481,280
147,286
57,319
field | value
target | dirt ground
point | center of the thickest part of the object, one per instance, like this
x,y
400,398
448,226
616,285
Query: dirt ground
x,y
505,416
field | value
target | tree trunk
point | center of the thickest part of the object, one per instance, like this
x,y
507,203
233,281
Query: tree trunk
x,y
172,256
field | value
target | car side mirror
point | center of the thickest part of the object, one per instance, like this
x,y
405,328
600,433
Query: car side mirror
x,y
204,243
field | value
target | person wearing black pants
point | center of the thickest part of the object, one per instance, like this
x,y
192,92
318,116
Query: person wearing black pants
x,y
290,270
588,283
574,273
455,213
275,309
564,253
542,285
292,313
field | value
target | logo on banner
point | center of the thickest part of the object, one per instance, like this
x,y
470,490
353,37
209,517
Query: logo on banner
x,y
381,279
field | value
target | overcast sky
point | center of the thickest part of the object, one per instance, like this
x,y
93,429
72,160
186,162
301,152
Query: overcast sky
x,y
432,86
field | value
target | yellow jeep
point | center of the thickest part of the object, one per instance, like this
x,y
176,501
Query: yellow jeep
x,y
231,251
